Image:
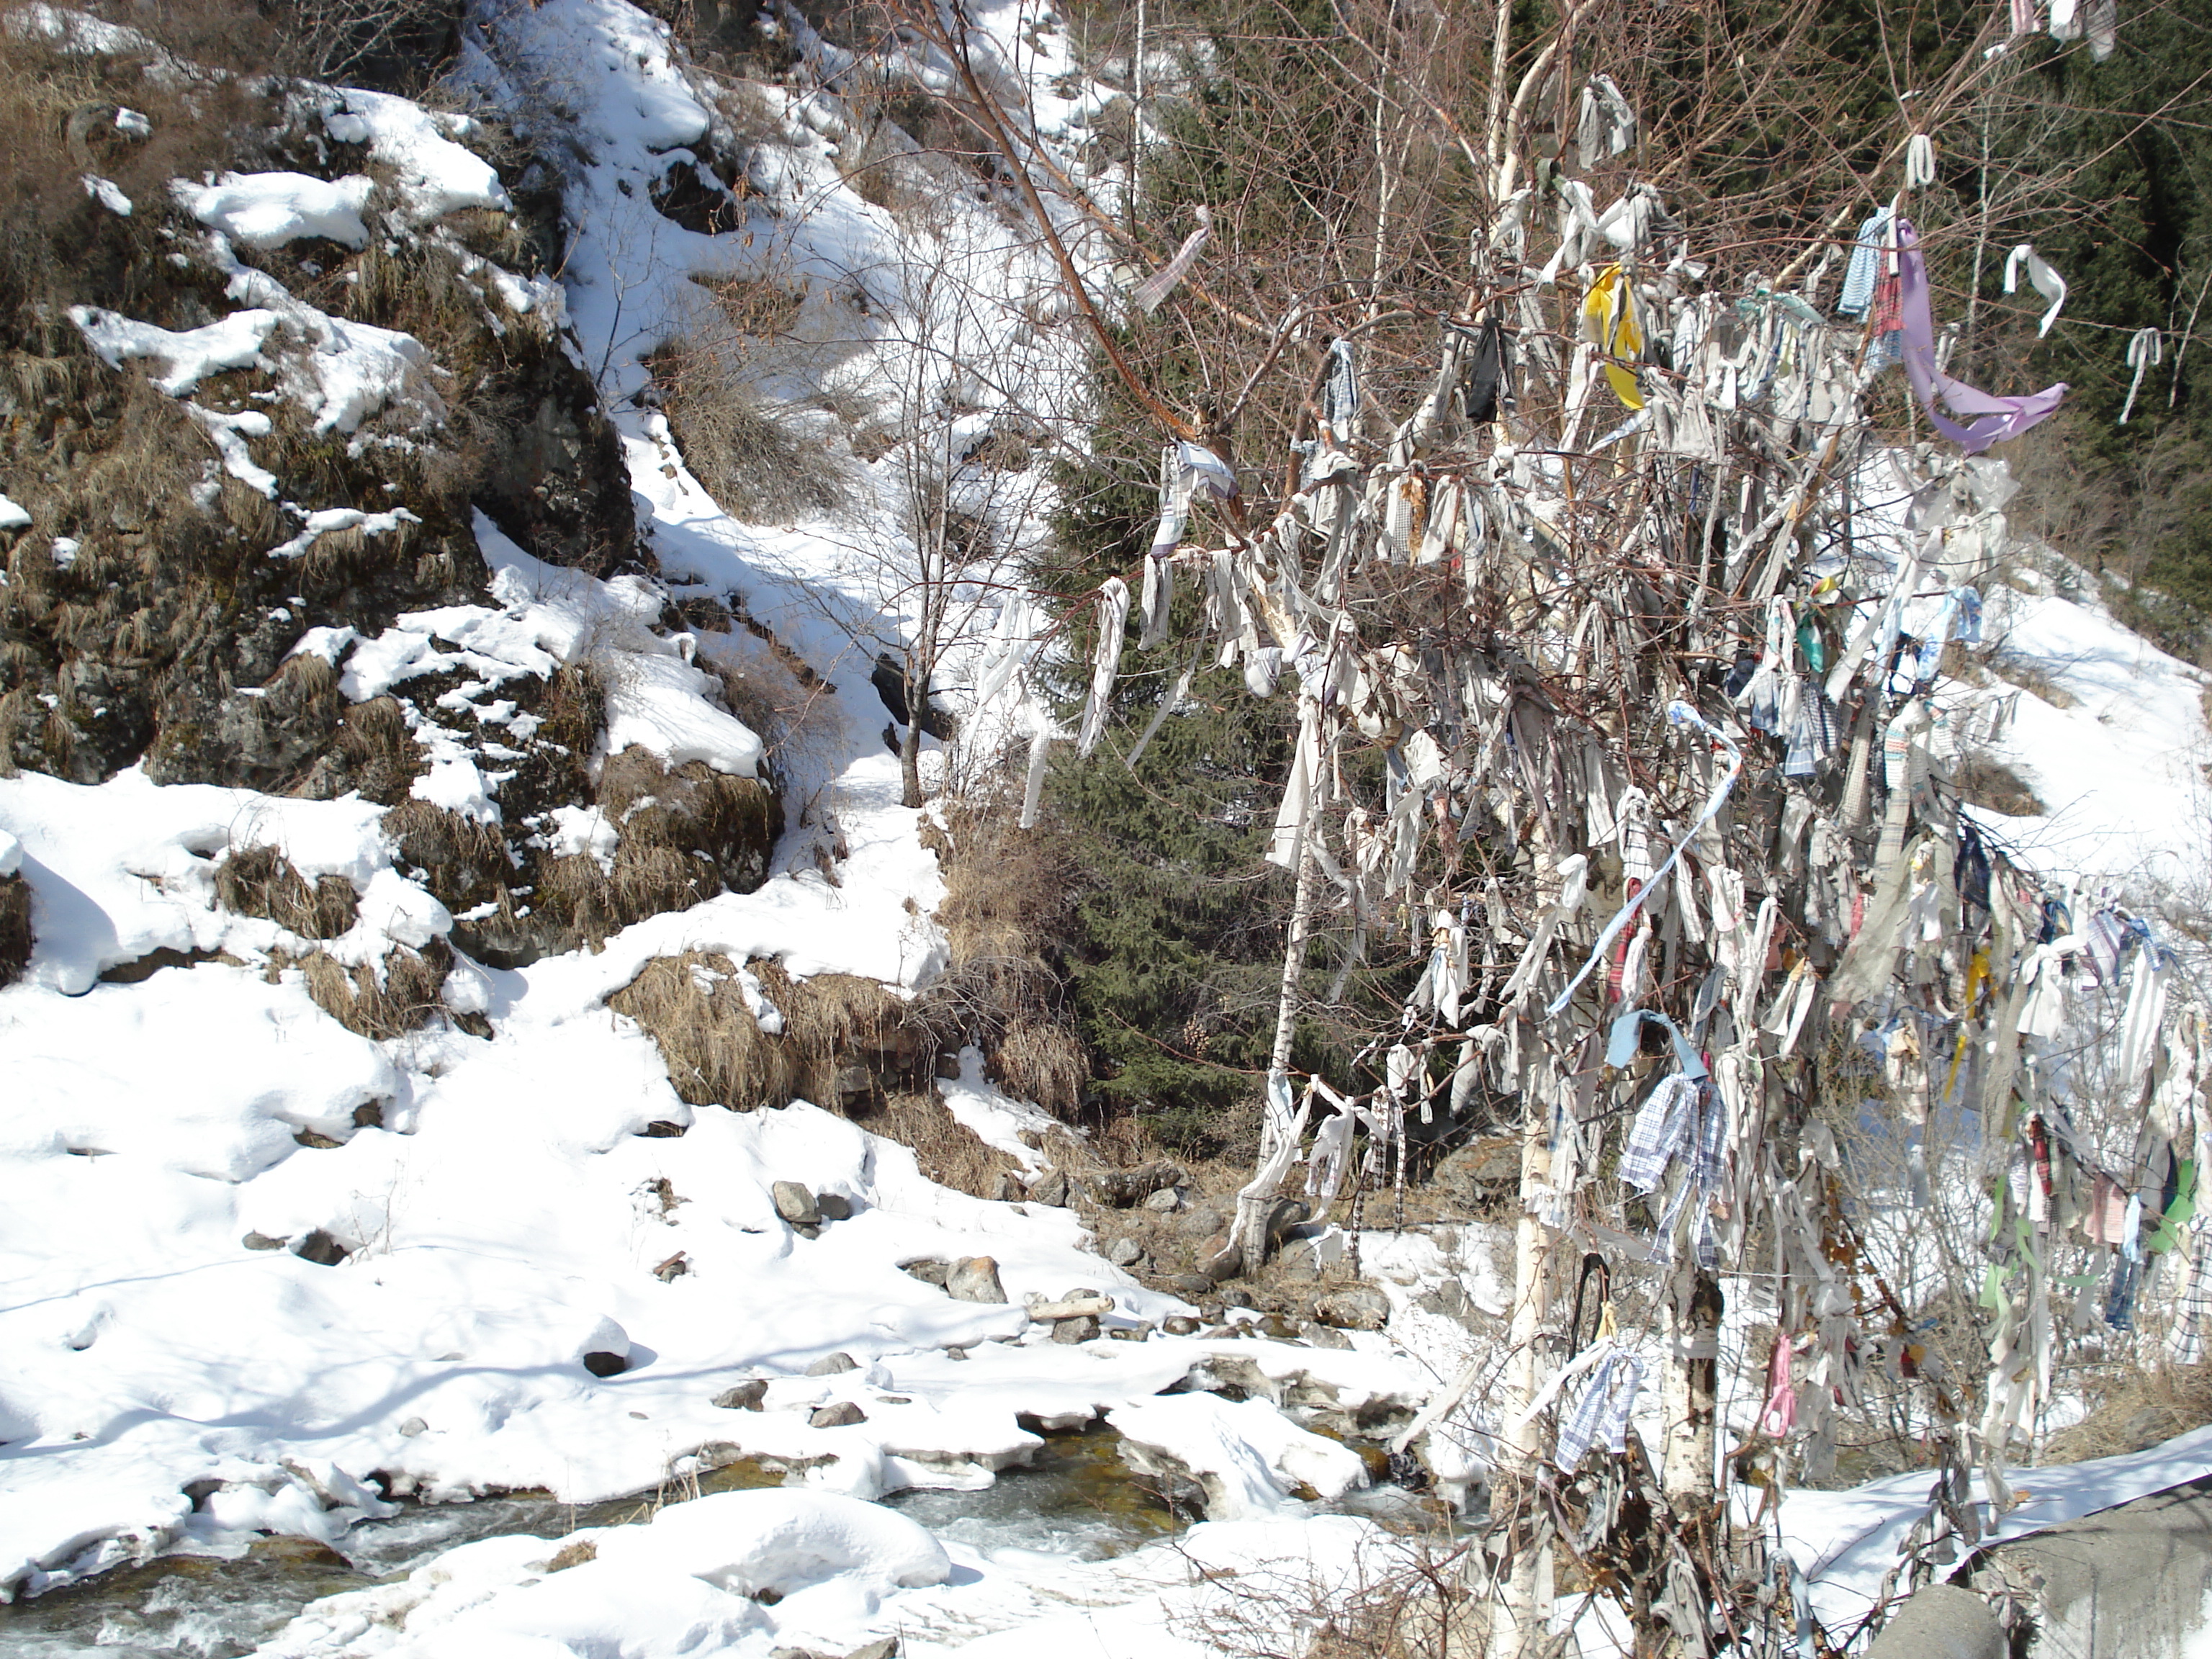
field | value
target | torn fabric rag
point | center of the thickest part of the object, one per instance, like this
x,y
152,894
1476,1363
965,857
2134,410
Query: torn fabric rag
x,y
2002,417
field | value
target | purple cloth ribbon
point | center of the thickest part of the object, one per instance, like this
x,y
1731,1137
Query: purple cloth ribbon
x,y
2004,417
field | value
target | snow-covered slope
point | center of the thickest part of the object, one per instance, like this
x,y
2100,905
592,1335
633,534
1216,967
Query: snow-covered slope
x,y
173,1372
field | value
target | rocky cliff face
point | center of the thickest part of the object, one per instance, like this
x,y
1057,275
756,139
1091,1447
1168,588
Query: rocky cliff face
x,y
248,424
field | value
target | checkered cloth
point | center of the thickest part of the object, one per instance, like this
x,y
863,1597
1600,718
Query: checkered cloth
x,y
1667,1120
1602,1413
2193,1326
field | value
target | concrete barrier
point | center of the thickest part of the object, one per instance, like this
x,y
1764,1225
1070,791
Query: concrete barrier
x,y
2129,1583
1942,1622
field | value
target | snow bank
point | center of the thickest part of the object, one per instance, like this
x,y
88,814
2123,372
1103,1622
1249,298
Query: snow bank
x,y
269,209
991,1116
436,176
477,1212
846,1573
182,359
2119,768
1250,1459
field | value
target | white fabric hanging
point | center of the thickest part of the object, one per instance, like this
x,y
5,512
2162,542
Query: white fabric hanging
x,y
2048,282
1112,620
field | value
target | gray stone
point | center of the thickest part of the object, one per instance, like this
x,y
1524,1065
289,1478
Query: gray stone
x,y
856,1080
1322,1336
956,1353
2130,1580
1238,1296
413,1426
1081,1328
1136,1333
1125,1253
929,1269
262,1241
1482,1170
841,1415
975,1279
1354,1307
319,1248
1052,1190
745,1396
1166,1201
1180,1325
883,1647
796,1203
832,1364
1123,1188
1940,1621
834,1207
1076,1305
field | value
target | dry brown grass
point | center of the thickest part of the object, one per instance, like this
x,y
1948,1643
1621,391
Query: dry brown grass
x,y
465,862
260,881
15,939
715,1051
668,817
1007,903
946,1150
1991,785
2137,1409
1040,1060
402,994
2032,677
381,758
760,459
717,1055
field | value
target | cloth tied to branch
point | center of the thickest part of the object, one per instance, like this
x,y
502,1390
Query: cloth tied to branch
x,y
2047,283
1678,714
2002,417
1603,1411
1154,289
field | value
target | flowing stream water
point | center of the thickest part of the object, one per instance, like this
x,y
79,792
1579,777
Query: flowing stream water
x,y
1078,1498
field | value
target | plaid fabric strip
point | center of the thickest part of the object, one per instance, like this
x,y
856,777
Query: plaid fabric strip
x,y
1665,1120
1603,1411
2194,1325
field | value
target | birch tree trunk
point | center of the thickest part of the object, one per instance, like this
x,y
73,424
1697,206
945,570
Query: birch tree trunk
x,y
1693,1333
1257,1198
1520,1612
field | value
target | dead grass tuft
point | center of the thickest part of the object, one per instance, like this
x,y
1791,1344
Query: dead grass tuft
x,y
466,862
947,1150
1006,904
762,462
402,994
688,833
378,750
2032,677
1040,1060
260,881
715,1051
15,939
2137,1409
717,1055
1994,786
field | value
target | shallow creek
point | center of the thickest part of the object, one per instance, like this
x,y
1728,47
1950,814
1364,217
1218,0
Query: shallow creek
x,y
1077,1499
